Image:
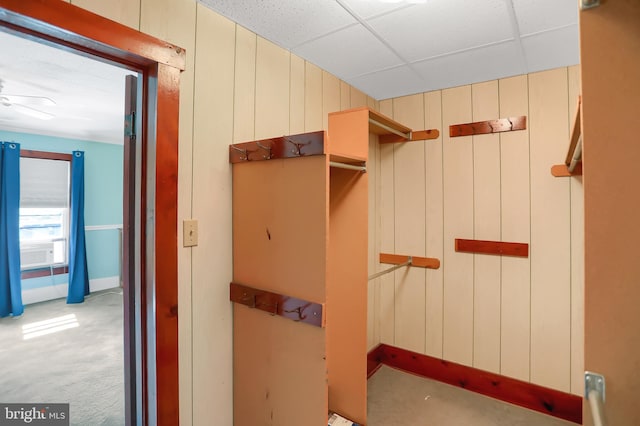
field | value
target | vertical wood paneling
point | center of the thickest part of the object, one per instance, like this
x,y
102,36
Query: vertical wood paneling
x,y
577,255
358,99
330,97
345,96
212,325
312,98
245,86
296,95
387,231
126,12
486,213
458,222
550,232
516,300
409,198
433,225
272,90
174,21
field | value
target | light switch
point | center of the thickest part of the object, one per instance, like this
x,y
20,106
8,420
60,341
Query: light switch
x,y
190,233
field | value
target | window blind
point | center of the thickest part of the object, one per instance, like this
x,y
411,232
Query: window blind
x,y
44,183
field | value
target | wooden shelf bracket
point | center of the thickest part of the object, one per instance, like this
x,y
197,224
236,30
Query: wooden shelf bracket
x,y
401,261
492,247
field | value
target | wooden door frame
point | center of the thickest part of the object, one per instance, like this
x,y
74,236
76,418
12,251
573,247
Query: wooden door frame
x,y
67,26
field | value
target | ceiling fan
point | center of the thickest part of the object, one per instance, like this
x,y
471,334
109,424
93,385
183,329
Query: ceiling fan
x,y
25,104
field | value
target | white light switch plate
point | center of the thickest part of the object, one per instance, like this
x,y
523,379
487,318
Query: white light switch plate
x,y
190,233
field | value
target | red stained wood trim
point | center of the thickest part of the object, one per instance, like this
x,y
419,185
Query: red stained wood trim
x,y
548,401
492,247
293,146
420,262
44,272
44,155
418,135
561,170
38,17
166,245
374,360
490,126
277,304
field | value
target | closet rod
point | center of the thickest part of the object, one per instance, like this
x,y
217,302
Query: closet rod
x,y
393,268
577,156
390,129
362,169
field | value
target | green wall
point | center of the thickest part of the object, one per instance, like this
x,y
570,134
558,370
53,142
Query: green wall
x,y
103,199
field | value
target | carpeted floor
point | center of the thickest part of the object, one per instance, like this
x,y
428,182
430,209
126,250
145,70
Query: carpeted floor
x,y
80,364
396,398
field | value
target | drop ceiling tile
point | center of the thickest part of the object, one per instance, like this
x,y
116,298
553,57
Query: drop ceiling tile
x,y
472,66
287,23
389,83
443,26
367,8
552,49
349,52
541,15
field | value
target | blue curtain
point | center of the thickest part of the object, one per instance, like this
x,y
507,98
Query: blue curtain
x,y
78,272
10,288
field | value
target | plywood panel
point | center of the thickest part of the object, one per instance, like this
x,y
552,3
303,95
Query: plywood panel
x,y
516,281
244,86
409,199
373,287
271,253
387,234
174,21
211,310
347,293
358,99
126,12
312,98
577,256
433,225
486,209
279,370
610,55
550,232
276,255
296,96
458,221
345,96
330,97
272,90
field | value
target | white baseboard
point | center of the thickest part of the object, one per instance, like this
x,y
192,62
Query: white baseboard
x,y
58,291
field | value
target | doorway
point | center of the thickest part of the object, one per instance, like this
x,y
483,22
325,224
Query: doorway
x,y
153,313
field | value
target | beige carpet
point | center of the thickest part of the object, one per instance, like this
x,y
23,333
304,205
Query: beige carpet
x,y
396,398
81,363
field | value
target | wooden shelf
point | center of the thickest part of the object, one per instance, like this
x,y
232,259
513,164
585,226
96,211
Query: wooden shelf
x,y
573,161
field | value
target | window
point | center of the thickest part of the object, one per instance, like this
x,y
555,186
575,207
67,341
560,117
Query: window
x,y
44,212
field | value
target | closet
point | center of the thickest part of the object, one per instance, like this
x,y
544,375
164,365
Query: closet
x,y
299,285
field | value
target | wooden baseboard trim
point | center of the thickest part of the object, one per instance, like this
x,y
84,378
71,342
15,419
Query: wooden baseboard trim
x,y
548,401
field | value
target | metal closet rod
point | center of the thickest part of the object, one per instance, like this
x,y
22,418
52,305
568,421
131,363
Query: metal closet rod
x,y
393,268
347,166
390,129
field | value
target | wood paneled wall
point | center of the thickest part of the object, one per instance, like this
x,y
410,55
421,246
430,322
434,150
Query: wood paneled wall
x,y
237,87
520,317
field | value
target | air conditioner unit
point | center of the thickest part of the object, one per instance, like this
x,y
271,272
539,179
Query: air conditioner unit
x,y
36,255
